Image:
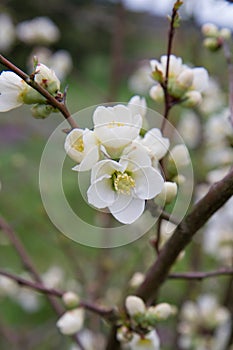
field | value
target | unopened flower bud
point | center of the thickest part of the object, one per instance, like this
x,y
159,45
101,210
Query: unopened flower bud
x,y
70,299
191,99
225,33
180,156
71,321
156,93
168,192
209,29
179,179
211,44
136,279
42,111
47,78
134,305
162,311
124,335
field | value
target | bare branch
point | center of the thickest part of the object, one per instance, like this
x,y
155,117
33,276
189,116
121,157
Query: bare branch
x,y
201,275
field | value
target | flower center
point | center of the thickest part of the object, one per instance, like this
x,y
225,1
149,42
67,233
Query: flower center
x,y
123,182
78,145
114,124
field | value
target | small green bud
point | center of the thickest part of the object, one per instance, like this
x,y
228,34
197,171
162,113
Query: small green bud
x,y
32,96
42,111
71,299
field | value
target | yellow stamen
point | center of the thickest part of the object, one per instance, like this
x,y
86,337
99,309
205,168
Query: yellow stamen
x,y
123,183
78,145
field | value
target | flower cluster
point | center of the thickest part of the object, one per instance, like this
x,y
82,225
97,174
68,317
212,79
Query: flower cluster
x,y
214,37
124,166
15,92
138,331
185,84
200,323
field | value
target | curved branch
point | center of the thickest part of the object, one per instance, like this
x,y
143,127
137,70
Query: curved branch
x,y
217,196
61,106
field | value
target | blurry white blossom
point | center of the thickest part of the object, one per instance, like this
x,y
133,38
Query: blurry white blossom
x,y
71,321
40,30
189,127
136,279
7,31
141,81
200,322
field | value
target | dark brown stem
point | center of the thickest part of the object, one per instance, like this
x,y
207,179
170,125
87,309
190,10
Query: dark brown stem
x,y
217,196
61,106
201,275
171,33
228,57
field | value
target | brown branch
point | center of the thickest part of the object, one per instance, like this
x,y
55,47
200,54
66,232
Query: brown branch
x,y
61,106
201,275
107,314
217,196
27,263
228,57
171,33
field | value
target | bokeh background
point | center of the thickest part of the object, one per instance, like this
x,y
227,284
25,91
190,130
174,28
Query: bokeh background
x,y
108,42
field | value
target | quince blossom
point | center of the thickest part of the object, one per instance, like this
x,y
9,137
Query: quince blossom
x,y
71,321
83,147
116,127
148,342
124,186
185,84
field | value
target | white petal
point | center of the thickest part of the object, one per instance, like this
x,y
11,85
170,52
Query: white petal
x,y
100,193
149,182
134,157
9,81
89,160
104,167
137,105
200,80
127,209
156,143
9,101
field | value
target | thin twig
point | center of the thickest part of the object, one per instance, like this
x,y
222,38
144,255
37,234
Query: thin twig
x,y
61,106
171,33
201,275
228,57
106,313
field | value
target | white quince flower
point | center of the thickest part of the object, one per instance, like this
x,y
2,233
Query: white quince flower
x,y
123,187
149,342
12,91
135,305
71,321
184,83
116,127
168,192
47,78
155,144
83,147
